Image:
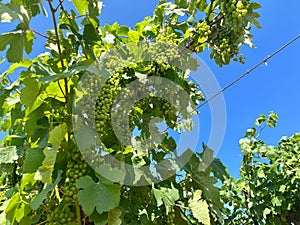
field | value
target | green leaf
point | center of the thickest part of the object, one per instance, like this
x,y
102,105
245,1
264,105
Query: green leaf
x,y
94,195
179,217
113,174
81,6
251,18
168,196
24,63
33,160
99,219
11,12
44,172
27,179
261,119
207,157
41,69
6,14
33,116
31,5
8,154
114,217
282,188
219,170
123,31
26,221
18,41
272,119
13,205
57,135
35,204
199,208
30,92
254,5
22,212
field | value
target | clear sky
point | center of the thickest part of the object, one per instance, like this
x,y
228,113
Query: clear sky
x,y
273,87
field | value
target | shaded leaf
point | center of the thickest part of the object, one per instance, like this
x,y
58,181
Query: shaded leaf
x,y
18,41
44,172
33,160
93,195
35,204
30,92
114,217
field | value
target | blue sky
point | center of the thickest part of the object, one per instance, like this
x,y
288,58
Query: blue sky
x,y
272,87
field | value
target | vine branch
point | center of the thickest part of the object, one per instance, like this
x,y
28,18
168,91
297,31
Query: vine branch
x,y
42,35
53,10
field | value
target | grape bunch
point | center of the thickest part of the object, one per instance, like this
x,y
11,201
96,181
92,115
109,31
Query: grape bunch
x,y
201,33
104,103
165,49
76,168
232,32
234,11
61,216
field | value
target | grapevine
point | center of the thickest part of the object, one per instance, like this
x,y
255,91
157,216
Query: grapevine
x,y
87,69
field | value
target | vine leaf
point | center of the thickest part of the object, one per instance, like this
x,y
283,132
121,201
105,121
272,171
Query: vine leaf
x,y
11,12
166,195
199,208
81,6
56,136
8,154
115,174
6,14
99,219
30,92
33,160
114,217
44,172
251,17
219,170
94,195
13,205
35,204
18,41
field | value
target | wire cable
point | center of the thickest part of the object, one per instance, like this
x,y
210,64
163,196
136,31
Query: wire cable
x,y
264,61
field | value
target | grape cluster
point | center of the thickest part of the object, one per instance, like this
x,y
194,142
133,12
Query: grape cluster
x,y
241,11
231,33
58,115
235,10
165,49
76,168
61,216
201,34
104,103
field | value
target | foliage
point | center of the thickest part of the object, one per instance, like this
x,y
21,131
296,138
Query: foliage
x,y
268,190
44,177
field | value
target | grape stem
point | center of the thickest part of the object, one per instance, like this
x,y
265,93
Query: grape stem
x,y
78,213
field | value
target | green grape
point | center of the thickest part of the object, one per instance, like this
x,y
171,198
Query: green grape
x,y
76,169
61,215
